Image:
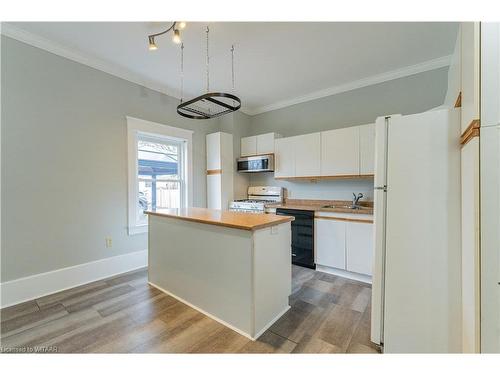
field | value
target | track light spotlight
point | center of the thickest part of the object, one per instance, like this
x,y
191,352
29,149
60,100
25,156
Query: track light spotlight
x,y
152,44
176,37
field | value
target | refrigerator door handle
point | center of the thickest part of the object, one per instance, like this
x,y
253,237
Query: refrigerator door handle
x,y
384,188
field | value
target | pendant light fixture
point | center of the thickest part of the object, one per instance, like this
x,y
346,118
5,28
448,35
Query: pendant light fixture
x,y
176,28
210,104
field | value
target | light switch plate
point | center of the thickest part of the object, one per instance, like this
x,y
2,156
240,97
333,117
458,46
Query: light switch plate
x,y
109,242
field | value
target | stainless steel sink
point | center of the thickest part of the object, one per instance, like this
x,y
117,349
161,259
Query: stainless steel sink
x,y
350,207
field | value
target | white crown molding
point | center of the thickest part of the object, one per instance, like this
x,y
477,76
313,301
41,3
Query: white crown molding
x,y
368,81
126,74
83,58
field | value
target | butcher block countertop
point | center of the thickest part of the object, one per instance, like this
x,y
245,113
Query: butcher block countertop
x,y
318,206
238,220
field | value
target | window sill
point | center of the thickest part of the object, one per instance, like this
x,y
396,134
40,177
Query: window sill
x,y
138,229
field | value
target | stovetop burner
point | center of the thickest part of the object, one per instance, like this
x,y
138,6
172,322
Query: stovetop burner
x,y
258,197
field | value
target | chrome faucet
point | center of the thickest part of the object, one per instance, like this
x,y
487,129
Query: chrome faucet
x,y
356,199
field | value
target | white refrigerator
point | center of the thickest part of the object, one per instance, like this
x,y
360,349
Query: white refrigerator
x,y
416,280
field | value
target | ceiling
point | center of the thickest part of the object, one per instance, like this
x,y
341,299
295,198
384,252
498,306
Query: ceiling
x,y
275,63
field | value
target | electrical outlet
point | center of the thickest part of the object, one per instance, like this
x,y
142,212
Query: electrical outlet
x,y
274,229
109,242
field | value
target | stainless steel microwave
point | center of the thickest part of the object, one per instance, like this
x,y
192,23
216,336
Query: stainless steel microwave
x,y
260,163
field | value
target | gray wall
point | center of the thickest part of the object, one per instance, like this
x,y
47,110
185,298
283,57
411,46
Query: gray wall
x,y
64,159
64,152
412,94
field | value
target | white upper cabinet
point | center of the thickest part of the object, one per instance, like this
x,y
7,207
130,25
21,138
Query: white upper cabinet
x,y
284,157
258,144
249,146
265,143
340,152
367,149
470,76
330,243
359,245
308,155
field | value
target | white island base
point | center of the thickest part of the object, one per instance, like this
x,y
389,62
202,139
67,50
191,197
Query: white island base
x,y
238,277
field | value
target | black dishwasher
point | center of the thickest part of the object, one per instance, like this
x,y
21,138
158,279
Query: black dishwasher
x,y
302,236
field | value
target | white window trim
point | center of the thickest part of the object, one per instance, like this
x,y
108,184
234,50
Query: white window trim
x,y
135,126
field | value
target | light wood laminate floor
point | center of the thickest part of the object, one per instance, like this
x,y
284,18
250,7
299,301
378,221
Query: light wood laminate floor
x,y
124,314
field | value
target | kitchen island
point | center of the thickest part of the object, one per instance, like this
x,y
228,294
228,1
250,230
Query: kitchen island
x,y
234,267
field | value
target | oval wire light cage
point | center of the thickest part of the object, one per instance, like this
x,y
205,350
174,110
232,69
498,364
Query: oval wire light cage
x,y
211,104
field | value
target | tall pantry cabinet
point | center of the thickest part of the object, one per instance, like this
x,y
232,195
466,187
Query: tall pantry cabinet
x,y
480,142
469,101
220,170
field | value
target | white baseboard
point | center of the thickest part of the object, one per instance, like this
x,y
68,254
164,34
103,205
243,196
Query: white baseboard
x,y
268,325
42,284
343,273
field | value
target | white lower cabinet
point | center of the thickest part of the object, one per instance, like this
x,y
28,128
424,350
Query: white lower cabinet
x,y
344,245
330,243
359,246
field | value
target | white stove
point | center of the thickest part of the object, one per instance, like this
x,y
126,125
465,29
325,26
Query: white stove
x,y
258,197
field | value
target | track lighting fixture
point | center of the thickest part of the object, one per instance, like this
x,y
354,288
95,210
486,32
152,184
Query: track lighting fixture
x,y
176,38
152,45
176,28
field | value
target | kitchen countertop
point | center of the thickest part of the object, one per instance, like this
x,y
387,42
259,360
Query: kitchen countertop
x,y
317,206
238,220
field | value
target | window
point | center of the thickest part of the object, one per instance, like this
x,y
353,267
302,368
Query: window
x,y
159,170
160,175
